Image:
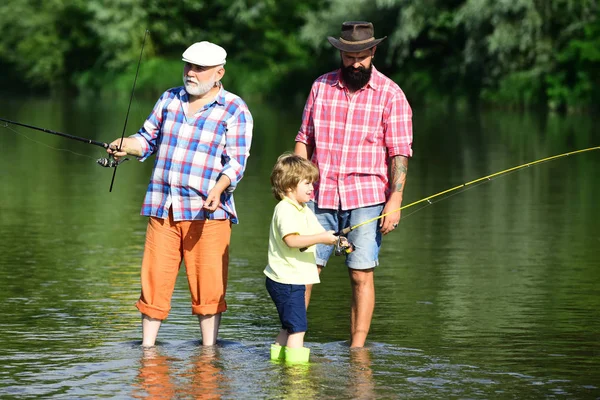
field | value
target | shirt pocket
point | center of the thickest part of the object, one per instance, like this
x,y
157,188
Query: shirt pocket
x,y
369,124
211,137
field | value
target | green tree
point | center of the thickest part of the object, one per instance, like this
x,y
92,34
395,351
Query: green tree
x,y
516,53
45,41
506,52
574,79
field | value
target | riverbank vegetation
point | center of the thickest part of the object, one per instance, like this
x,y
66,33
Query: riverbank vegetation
x,y
504,53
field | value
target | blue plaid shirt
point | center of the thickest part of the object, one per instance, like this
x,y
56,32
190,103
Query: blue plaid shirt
x,y
192,152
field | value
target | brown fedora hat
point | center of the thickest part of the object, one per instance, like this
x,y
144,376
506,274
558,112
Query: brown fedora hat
x,y
356,36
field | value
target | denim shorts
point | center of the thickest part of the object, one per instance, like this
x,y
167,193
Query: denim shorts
x,y
366,238
289,300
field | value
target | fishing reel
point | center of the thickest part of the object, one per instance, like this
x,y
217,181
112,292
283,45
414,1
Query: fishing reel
x,y
343,246
110,162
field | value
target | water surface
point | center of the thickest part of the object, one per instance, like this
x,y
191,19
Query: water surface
x,y
492,292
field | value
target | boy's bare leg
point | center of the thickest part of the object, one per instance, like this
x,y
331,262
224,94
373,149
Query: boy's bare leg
x,y
363,304
295,340
209,326
150,327
282,338
309,289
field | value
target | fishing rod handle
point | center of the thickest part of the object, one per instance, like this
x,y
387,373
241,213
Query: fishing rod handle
x,y
344,231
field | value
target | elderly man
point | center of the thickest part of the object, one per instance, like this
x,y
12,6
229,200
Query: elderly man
x,y
357,128
201,135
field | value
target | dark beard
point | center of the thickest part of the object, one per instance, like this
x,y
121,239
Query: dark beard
x,y
355,78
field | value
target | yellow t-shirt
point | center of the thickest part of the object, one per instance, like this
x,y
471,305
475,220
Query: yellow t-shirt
x,y
290,265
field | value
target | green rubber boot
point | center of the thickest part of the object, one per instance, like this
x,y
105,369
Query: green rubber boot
x,y
297,355
277,352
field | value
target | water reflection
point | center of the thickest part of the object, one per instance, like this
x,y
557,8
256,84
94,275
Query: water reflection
x,y
155,376
299,382
161,376
205,374
361,375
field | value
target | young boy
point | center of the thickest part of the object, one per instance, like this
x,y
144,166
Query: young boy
x,y
293,227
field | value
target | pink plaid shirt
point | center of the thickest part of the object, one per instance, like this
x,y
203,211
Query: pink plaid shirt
x,y
354,137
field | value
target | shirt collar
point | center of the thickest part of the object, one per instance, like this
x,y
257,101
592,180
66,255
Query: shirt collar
x,y
220,97
298,206
373,82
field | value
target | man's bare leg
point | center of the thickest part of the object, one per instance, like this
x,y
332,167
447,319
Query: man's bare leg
x,y
209,326
309,288
363,304
150,327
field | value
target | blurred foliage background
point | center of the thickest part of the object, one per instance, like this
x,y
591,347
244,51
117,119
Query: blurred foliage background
x,y
504,53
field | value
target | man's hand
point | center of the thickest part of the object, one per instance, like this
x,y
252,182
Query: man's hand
x,y
390,222
113,149
118,148
212,200
398,171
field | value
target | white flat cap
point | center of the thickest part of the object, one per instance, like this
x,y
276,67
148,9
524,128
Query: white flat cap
x,y
205,54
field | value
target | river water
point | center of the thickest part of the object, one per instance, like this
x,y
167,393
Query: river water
x,y
489,292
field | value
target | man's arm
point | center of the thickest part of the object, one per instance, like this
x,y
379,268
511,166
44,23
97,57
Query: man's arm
x,y
144,142
129,146
305,139
398,172
303,150
237,145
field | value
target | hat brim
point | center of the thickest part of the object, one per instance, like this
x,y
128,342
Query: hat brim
x,y
354,48
204,64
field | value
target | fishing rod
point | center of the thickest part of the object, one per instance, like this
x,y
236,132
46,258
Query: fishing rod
x,y
81,139
341,248
104,162
484,178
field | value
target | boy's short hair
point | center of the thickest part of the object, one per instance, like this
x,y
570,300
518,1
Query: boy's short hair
x,y
289,170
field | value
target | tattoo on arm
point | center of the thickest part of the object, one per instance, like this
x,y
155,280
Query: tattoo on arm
x,y
398,171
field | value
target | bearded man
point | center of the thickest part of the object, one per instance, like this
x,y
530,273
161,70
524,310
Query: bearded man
x,y
357,128
201,135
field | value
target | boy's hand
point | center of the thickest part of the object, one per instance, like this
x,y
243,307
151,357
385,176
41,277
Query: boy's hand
x,y
329,237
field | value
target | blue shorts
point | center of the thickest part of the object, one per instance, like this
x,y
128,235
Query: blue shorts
x,y
289,300
366,238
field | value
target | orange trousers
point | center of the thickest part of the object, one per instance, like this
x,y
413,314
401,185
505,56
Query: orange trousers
x,y
203,246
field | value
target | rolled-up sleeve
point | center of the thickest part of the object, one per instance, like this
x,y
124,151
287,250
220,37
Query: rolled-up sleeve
x,y
398,126
148,135
306,133
237,145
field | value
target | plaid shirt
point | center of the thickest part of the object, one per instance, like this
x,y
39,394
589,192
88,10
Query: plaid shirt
x,y
193,152
353,138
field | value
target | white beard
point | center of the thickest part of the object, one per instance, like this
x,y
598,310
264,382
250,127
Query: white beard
x,y
196,88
